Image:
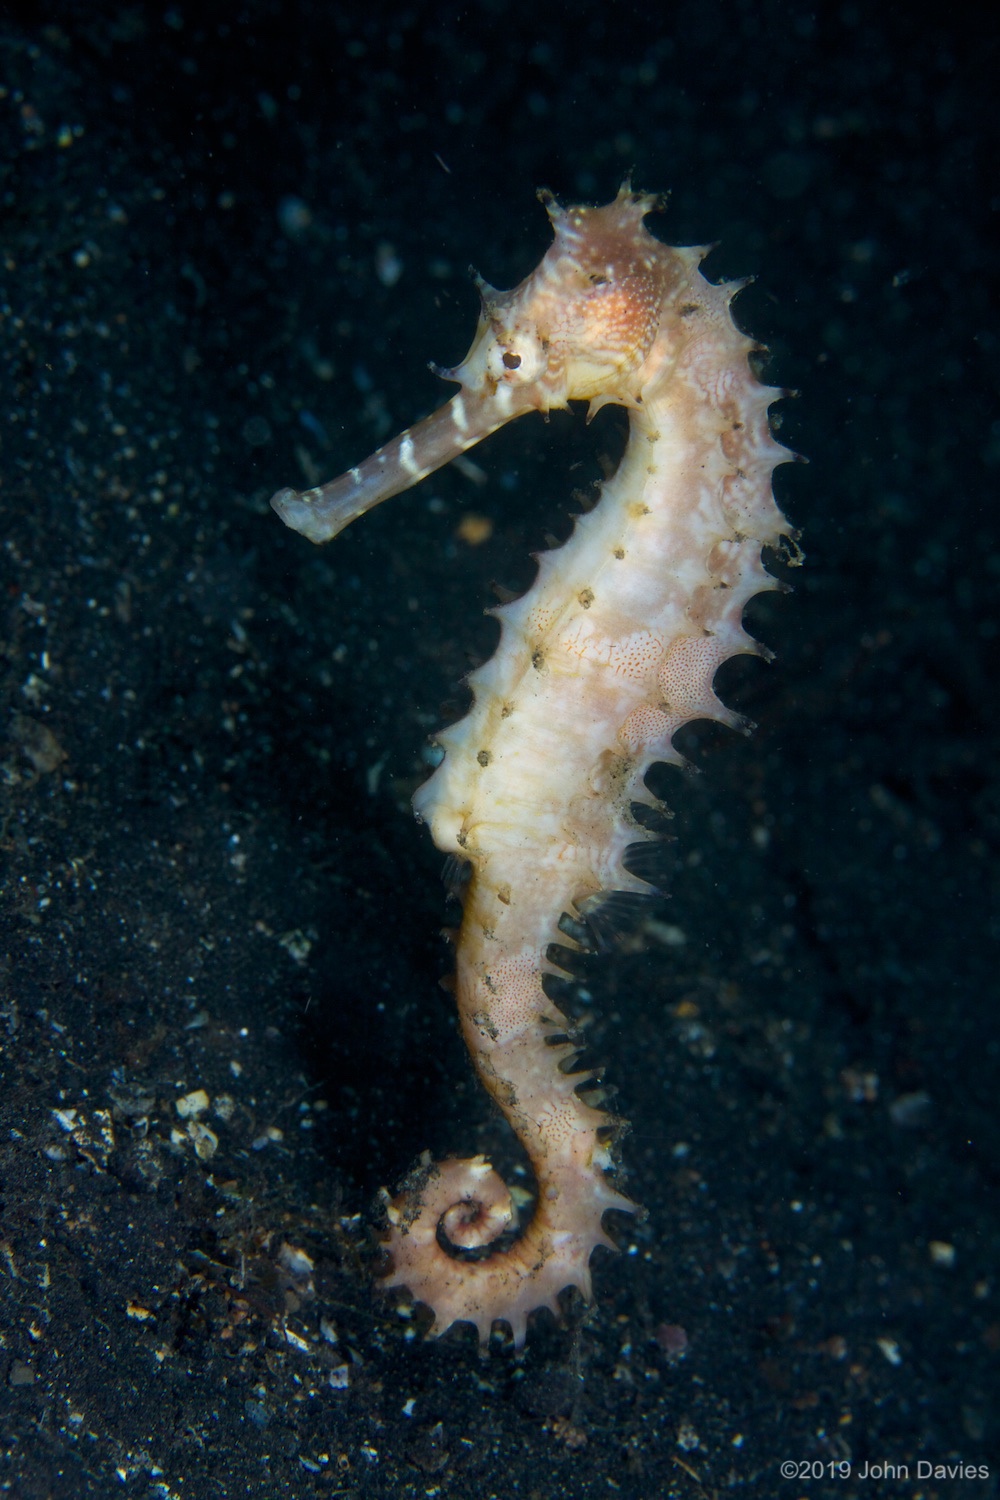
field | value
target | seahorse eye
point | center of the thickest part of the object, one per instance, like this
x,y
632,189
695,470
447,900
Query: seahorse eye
x,y
516,356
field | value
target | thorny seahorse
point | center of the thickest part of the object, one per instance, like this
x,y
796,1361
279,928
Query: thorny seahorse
x,y
611,650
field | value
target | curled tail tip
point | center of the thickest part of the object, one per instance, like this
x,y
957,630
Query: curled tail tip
x,y
450,1210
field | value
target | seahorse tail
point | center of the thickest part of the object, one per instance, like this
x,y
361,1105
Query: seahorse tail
x,y
453,1233
444,1223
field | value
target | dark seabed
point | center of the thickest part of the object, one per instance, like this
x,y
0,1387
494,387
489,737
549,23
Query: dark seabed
x,y
232,237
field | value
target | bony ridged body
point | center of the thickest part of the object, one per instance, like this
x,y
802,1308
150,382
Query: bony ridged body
x,y
613,648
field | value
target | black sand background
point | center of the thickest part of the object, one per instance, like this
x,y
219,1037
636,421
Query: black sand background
x,y
232,236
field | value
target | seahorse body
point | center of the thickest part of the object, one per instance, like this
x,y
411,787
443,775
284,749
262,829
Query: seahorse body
x,y
612,649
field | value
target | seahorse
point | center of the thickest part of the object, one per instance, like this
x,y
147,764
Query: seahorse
x,y
613,648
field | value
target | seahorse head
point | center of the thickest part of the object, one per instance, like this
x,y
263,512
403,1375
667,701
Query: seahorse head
x,y
582,325
595,321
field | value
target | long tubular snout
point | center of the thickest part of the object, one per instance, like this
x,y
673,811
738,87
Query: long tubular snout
x,y
322,513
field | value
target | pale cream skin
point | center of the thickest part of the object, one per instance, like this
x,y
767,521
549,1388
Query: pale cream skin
x,y
612,649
